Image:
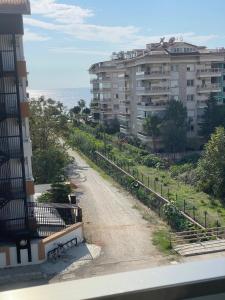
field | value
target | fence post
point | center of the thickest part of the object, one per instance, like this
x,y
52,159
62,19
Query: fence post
x,y
168,194
142,177
205,213
148,181
161,189
217,228
176,198
194,212
184,205
154,184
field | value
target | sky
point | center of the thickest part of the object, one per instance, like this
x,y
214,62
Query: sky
x,y
64,37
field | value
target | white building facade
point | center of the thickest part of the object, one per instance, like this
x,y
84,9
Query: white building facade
x,y
149,78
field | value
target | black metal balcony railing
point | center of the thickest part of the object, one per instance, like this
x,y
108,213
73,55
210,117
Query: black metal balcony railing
x,y
11,189
8,106
43,219
7,64
10,147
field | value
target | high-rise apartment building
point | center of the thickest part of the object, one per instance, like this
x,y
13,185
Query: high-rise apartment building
x,y
16,180
143,81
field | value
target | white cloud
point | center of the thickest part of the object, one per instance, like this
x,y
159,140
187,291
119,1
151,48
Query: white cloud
x,y
72,20
33,36
63,13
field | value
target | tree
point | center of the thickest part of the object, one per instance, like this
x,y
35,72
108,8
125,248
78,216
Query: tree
x,y
75,114
214,116
49,164
112,126
81,104
211,166
75,110
86,112
174,127
48,120
151,127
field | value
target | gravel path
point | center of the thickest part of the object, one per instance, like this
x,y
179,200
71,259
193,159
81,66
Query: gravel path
x,y
112,222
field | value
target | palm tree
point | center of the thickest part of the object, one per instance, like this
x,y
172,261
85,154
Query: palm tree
x,y
151,127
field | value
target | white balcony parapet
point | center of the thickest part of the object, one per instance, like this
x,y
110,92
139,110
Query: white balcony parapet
x,y
152,90
209,87
154,74
210,72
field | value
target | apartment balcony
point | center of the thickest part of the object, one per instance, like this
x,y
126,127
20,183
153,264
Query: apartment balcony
x,y
152,75
123,77
152,90
209,88
104,79
106,111
143,137
9,148
202,104
43,219
94,90
8,107
11,189
94,81
105,90
95,100
124,89
105,101
210,72
124,129
159,105
124,116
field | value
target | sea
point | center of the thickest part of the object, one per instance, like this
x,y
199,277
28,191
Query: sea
x,y
68,96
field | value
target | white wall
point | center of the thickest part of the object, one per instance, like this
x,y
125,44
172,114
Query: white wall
x,y
76,233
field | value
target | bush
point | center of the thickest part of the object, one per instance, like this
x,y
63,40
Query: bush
x,y
174,216
176,170
49,164
154,161
57,194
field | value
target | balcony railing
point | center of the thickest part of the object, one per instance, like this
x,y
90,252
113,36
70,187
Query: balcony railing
x,y
6,62
152,90
11,189
43,219
153,74
209,87
153,105
210,72
10,146
95,90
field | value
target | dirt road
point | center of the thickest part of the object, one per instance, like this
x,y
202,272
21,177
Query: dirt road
x,y
111,221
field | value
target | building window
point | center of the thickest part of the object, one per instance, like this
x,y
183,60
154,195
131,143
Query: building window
x,y
174,68
190,82
190,97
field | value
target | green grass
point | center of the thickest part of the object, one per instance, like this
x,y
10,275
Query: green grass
x,y
202,201
161,239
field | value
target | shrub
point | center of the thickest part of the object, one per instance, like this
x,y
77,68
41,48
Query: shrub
x,y
174,216
154,161
176,170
